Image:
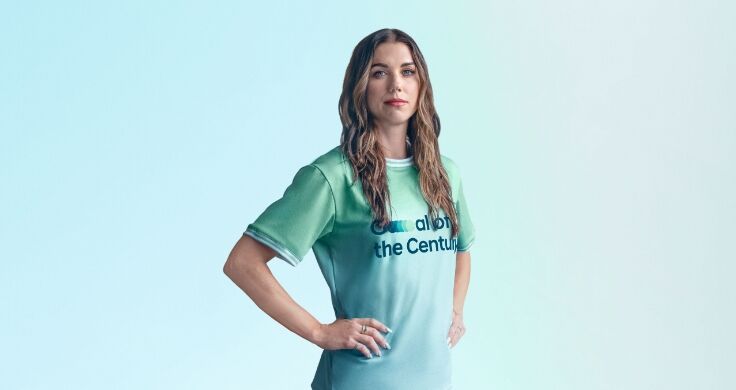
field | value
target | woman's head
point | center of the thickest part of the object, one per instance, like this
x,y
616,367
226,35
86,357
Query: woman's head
x,y
388,64
384,65
392,75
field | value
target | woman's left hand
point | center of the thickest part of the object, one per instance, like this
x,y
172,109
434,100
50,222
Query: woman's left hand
x,y
457,329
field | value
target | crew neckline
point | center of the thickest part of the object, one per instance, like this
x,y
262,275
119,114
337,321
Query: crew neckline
x,y
399,162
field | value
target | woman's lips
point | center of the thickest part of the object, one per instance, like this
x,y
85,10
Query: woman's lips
x,y
395,103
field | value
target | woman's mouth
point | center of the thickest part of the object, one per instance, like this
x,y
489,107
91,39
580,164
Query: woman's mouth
x,y
395,103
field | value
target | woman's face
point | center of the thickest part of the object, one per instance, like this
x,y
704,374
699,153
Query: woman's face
x,y
392,75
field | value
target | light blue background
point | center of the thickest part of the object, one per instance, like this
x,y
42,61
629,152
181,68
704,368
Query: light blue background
x,y
597,143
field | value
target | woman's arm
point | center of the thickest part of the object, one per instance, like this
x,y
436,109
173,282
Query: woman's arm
x,y
246,266
462,279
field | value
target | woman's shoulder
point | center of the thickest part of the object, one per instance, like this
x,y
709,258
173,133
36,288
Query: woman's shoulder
x,y
454,171
329,160
450,165
332,164
330,157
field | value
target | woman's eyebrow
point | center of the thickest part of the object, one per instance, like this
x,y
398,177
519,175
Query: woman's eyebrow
x,y
386,66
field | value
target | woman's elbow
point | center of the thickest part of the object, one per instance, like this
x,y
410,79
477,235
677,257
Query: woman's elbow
x,y
230,266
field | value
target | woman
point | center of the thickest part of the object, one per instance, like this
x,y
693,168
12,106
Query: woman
x,y
385,215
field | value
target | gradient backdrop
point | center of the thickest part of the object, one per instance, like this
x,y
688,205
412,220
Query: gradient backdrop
x,y
597,143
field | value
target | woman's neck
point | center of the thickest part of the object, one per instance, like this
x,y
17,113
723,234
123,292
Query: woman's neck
x,y
393,141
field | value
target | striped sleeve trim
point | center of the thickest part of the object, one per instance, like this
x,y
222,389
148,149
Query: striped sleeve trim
x,y
467,247
281,252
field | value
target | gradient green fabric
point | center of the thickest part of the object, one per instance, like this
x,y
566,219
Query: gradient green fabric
x,y
402,275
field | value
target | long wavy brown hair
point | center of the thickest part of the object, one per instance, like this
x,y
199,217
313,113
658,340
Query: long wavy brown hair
x,y
359,141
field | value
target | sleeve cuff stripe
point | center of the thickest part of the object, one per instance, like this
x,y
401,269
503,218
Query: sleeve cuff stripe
x,y
467,246
281,252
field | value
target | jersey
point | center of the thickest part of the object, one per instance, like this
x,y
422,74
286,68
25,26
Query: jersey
x,y
401,274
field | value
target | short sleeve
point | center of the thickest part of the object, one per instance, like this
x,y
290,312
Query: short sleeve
x,y
466,237
304,214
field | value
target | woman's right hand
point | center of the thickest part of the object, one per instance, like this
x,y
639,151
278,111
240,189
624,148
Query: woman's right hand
x,y
345,334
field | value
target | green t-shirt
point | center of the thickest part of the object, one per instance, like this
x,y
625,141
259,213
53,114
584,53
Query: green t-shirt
x,y
402,275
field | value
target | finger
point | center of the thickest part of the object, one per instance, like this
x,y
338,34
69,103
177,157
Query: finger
x,y
373,332
378,325
457,332
376,334
456,339
362,349
370,343
453,337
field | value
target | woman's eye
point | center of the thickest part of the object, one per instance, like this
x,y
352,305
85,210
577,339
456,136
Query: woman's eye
x,y
411,72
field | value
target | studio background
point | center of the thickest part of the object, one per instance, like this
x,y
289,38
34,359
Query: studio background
x,y
596,141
